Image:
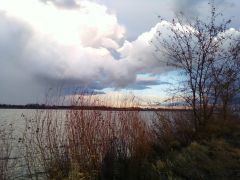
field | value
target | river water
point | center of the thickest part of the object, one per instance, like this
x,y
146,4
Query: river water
x,y
15,120
15,116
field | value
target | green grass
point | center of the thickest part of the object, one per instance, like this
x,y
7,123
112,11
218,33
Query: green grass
x,y
214,153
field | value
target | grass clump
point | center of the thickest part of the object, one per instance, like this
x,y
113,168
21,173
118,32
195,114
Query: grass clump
x,y
213,153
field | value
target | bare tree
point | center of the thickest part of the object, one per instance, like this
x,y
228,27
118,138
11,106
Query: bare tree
x,y
203,52
227,77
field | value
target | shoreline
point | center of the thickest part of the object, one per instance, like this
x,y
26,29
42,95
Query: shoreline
x,y
102,108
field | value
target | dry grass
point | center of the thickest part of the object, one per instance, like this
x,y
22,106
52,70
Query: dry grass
x,y
79,143
95,144
173,128
7,161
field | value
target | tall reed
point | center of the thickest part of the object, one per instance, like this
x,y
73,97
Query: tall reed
x,y
77,143
7,160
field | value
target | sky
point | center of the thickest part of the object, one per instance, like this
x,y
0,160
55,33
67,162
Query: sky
x,y
97,45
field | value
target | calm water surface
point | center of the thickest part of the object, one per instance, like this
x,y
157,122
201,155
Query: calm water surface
x,y
14,116
17,118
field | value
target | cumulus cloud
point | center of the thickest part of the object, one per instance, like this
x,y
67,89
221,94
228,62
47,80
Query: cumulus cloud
x,y
141,53
43,46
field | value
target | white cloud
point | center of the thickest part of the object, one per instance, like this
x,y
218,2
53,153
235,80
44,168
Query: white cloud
x,y
88,25
72,45
53,45
142,54
42,45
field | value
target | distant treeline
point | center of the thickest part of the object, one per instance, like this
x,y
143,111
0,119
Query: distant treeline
x,y
102,108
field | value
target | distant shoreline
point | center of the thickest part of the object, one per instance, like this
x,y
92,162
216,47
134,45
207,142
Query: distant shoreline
x,y
102,108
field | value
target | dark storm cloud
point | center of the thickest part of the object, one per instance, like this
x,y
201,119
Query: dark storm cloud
x,y
17,85
63,3
199,7
146,83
